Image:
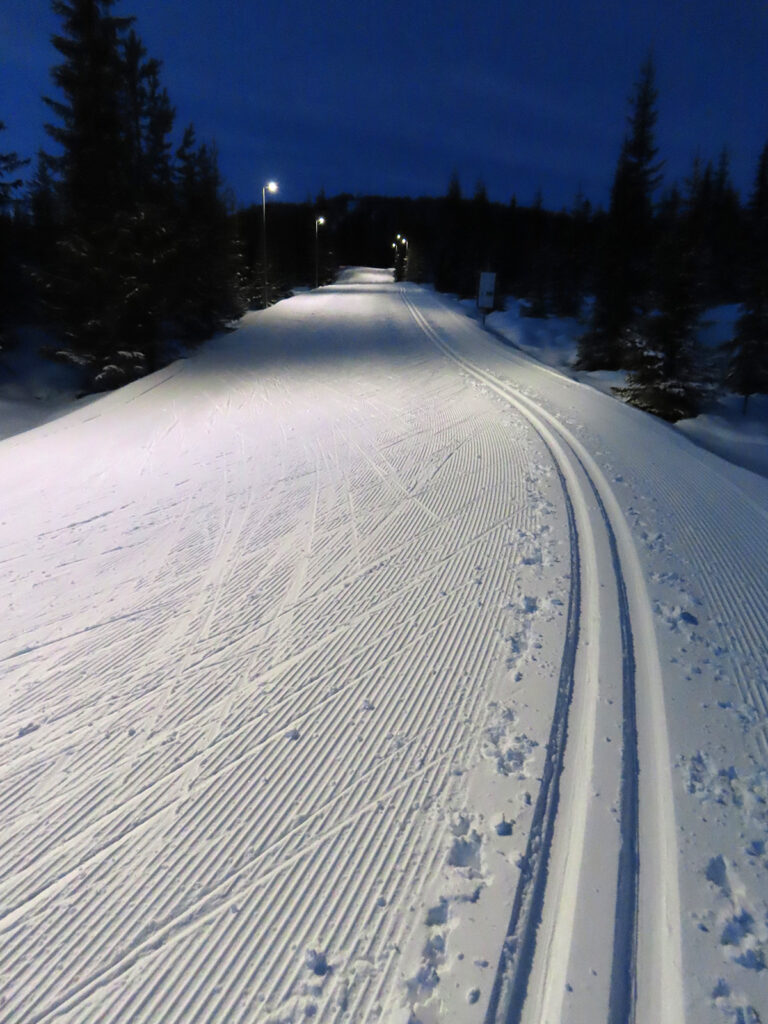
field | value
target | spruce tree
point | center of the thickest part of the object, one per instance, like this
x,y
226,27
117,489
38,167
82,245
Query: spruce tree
x,y
727,227
452,271
454,188
667,376
125,211
747,369
10,265
158,120
90,281
148,219
625,275
10,163
540,259
480,227
569,258
208,290
712,217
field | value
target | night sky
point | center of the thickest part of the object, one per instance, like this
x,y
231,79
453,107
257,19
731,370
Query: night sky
x,y
389,98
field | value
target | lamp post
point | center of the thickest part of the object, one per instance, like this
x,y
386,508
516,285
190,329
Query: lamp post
x,y
271,186
318,222
400,268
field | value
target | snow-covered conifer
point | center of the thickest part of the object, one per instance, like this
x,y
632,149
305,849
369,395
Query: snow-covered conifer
x,y
668,375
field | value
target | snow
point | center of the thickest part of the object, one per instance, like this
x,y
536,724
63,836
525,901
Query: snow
x,y
358,643
727,430
33,390
723,428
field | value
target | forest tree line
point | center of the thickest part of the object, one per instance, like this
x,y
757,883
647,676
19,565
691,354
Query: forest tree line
x,y
640,274
125,237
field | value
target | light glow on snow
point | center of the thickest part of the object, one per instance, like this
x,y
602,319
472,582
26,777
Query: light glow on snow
x,y
293,629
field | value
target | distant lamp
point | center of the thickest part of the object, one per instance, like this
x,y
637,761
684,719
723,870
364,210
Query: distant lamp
x,y
318,222
271,186
401,263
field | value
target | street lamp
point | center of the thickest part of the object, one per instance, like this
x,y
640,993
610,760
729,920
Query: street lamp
x,y
318,222
271,186
400,268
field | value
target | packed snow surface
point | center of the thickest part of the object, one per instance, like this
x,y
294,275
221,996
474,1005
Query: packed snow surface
x,y
362,668
724,425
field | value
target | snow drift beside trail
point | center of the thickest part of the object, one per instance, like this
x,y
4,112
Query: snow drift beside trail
x,y
723,428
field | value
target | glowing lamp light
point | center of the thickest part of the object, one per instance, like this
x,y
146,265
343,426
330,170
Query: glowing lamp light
x,y
318,222
271,186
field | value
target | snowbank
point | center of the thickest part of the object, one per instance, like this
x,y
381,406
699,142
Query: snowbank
x,y
723,429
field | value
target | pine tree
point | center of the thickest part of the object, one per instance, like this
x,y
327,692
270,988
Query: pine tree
x,y
667,376
454,188
452,268
92,130
87,287
625,277
10,163
208,289
747,369
727,230
10,267
479,241
569,258
126,211
148,220
158,121
539,247
712,217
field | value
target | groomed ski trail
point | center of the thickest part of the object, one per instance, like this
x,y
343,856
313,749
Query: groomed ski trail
x,y
554,910
232,717
281,653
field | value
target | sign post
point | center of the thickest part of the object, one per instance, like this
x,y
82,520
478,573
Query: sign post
x,y
485,293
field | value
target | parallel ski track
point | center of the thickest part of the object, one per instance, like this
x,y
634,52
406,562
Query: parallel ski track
x,y
508,997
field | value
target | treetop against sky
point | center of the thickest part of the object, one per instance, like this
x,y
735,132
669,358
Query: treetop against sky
x,y
369,98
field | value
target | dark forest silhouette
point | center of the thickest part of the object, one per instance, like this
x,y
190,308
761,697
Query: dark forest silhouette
x,y
124,237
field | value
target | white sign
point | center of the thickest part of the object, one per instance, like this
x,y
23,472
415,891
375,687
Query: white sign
x,y
486,290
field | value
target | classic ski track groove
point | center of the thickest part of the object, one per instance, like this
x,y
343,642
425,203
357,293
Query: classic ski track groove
x,y
649,829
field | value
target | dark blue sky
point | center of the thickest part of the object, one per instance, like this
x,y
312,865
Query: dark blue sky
x,y
390,98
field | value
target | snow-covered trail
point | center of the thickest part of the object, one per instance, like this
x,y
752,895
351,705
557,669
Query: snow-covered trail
x,y
257,607
610,657
687,536
299,635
